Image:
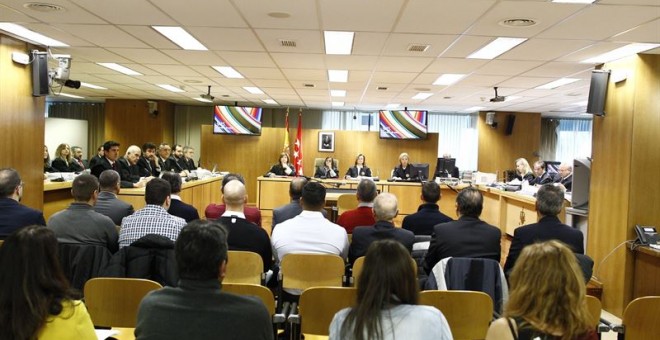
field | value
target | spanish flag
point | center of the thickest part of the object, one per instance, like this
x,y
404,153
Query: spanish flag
x,y
286,132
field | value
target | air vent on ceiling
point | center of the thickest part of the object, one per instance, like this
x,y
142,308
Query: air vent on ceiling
x,y
382,88
518,22
43,7
225,96
418,47
309,85
287,43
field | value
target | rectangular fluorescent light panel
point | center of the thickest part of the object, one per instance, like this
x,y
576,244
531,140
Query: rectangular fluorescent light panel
x,y
474,109
228,71
270,101
92,86
338,93
119,68
338,42
253,90
30,35
574,1
621,52
337,103
338,76
557,83
422,95
180,37
203,100
69,95
496,47
448,79
170,87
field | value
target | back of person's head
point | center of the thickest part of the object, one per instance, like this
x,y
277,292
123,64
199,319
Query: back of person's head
x,y
430,192
385,207
83,187
230,177
148,146
157,191
366,191
9,180
547,285
32,285
549,200
470,202
296,187
109,144
174,179
108,180
387,279
234,193
200,250
313,196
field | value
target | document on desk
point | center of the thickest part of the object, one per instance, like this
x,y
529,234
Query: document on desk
x,y
103,334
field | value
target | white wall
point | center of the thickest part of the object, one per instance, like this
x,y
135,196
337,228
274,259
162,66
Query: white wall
x,y
62,130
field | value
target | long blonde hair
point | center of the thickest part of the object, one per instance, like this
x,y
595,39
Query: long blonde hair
x,y
527,168
548,290
58,153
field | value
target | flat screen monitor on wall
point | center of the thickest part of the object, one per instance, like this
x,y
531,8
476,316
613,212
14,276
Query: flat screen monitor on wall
x,y
237,120
598,92
402,124
581,179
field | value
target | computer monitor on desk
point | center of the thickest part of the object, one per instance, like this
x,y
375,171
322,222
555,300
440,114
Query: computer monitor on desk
x,y
421,171
445,167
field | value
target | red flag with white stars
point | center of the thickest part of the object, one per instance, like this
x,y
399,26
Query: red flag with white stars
x,y
297,148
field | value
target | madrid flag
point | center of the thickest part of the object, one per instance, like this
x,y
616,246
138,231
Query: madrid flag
x,y
297,148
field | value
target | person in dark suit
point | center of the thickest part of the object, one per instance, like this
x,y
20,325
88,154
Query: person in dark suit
x,y
282,168
292,209
148,161
164,158
107,203
385,210
565,177
96,158
327,170
214,211
129,171
187,161
77,163
243,235
466,237
523,171
549,202
542,176
47,163
404,171
63,159
428,214
14,215
109,162
359,169
177,207
173,163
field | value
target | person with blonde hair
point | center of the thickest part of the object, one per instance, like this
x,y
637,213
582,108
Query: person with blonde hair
x,y
524,171
63,158
546,299
387,301
404,171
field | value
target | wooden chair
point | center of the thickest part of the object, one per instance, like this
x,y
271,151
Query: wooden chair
x,y
346,202
594,306
302,271
318,306
114,302
468,313
640,319
244,267
358,265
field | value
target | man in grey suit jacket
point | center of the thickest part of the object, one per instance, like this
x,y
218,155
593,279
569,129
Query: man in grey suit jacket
x,y
293,209
108,204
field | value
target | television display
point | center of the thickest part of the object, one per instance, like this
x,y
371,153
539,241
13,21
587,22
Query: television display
x,y
237,120
403,124
581,177
598,92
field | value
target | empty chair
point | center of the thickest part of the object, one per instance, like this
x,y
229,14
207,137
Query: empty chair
x,y
263,293
244,267
318,306
114,302
594,306
302,271
468,313
346,202
640,319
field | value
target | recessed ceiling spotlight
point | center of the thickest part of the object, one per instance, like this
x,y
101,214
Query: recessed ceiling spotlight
x,y
43,7
279,15
518,22
422,89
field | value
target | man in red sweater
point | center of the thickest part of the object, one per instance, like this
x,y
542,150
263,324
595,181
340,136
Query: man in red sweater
x,y
363,215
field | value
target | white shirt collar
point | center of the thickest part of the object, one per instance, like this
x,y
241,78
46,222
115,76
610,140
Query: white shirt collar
x,y
366,204
175,197
229,213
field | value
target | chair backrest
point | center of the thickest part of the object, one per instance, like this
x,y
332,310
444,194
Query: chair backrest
x,y
81,262
468,313
243,267
477,274
358,265
595,308
641,318
318,162
346,202
114,302
259,291
302,271
318,306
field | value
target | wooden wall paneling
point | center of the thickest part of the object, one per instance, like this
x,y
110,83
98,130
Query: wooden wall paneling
x,y
128,122
497,151
21,122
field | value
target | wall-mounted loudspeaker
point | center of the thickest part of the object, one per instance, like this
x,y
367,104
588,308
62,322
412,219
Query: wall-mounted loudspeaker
x,y
510,120
39,73
153,108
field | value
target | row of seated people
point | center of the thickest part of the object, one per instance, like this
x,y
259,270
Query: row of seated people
x,y
547,301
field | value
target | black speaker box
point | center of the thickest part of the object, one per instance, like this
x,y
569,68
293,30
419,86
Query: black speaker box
x,y
510,120
39,73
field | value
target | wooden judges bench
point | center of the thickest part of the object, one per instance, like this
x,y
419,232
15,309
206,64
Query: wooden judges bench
x,y
199,193
507,210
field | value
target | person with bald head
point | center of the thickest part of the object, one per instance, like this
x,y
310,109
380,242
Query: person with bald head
x,y
243,234
565,177
385,210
